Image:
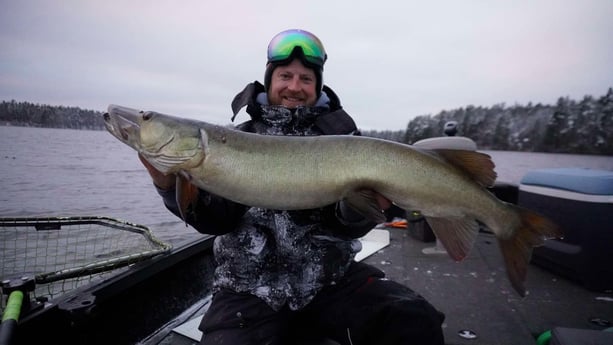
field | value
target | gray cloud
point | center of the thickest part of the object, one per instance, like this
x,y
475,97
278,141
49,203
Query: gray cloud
x,y
389,61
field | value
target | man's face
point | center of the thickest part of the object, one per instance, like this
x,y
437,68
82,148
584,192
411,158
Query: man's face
x,y
292,86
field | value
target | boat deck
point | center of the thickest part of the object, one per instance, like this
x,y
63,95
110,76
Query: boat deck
x,y
476,295
480,305
145,304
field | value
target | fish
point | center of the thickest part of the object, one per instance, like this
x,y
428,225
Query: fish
x,y
448,187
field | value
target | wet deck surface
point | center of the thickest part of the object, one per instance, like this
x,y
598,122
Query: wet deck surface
x,y
475,294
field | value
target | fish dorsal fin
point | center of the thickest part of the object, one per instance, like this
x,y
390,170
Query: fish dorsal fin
x,y
478,166
456,234
365,202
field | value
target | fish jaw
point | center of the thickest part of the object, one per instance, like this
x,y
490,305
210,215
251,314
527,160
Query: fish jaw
x,y
124,124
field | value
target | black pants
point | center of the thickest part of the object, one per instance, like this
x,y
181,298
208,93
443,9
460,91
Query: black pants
x,y
365,308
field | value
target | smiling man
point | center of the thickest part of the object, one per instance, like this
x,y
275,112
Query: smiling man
x,y
279,272
293,85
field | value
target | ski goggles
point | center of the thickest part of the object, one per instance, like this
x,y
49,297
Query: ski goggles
x,y
283,44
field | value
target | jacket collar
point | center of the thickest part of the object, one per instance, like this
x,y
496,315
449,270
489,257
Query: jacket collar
x,y
249,97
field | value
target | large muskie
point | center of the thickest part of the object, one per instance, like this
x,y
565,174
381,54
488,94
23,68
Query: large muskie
x,y
290,173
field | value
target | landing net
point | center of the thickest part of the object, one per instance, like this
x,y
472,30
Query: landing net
x,y
64,253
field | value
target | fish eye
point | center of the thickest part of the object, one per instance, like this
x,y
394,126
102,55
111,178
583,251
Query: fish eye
x,y
147,116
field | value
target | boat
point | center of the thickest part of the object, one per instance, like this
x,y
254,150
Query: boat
x,y
159,299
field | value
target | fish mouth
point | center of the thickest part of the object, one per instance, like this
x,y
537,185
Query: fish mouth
x,y
125,124
122,122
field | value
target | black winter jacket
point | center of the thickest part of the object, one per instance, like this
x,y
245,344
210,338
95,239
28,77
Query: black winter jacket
x,y
283,257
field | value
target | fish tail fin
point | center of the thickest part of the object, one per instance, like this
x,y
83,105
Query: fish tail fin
x,y
532,232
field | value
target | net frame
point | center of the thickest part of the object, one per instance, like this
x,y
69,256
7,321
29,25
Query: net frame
x,y
97,245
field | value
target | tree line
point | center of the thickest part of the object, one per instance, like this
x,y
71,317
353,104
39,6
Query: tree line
x,y
28,114
569,126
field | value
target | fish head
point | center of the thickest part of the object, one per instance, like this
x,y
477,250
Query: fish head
x,y
169,143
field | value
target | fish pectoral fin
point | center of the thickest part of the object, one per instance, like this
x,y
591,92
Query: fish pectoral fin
x,y
186,193
456,234
478,166
364,201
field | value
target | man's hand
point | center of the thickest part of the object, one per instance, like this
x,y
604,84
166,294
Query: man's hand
x,y
159,179
384,203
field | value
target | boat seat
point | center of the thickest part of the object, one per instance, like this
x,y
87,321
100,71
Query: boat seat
x,y
456,143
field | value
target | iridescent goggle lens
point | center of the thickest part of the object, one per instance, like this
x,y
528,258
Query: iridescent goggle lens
x,y
283,44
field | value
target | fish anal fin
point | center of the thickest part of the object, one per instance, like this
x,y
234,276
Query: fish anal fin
x,y
456,234
478,166
517,250
364,201
186,193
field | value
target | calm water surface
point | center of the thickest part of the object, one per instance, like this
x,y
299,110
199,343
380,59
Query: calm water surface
x,y
63,172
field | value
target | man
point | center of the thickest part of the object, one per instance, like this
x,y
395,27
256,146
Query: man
x,y
281,272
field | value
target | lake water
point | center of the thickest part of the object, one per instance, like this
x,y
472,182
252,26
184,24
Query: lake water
x,y
63,172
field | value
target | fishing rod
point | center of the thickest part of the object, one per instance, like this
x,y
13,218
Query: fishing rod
x,y
18,298
10,318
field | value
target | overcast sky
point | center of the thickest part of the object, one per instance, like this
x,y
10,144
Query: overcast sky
x,y
389,61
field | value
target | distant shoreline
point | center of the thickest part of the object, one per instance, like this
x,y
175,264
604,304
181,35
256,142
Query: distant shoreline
x,y
50,127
